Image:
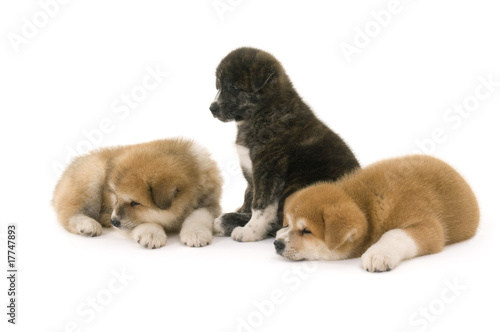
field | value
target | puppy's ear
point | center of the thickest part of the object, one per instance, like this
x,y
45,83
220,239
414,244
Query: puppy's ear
x,y
163,193
343,225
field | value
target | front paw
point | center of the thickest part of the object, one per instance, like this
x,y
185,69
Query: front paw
x,y
83,225
226,223
196,238
246,234
151,236
373,261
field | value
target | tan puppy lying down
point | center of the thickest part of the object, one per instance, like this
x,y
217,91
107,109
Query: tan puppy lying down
x,y
388,212
144,189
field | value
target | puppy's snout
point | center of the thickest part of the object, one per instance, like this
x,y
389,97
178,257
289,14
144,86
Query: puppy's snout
x,y
214,108
115,222
279,245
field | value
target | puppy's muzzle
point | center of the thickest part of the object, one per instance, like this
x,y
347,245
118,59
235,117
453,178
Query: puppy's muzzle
x,y
115,222
214,108
279,245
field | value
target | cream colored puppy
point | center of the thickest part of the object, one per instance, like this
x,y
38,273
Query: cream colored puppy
x,y
145,189
390,211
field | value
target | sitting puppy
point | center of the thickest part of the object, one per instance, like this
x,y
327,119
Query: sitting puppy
x,y
281,144
148,188
391,211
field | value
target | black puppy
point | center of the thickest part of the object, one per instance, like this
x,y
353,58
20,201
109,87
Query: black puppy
x,y
281,144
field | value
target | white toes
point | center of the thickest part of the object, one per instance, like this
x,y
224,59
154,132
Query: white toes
x,y
197,230
83,225
379,262
393,247
245,234
198,238
151,236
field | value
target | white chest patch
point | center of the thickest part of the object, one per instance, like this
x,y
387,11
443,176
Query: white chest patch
x,y
244,155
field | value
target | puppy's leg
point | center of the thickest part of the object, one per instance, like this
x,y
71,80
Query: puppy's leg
x,y
150,235
84,225
260,224
393,247
197,229
225,224
399,244
429,236
268,188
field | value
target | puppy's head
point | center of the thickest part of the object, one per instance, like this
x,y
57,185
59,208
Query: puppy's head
x,y
245,79
147,188
321,223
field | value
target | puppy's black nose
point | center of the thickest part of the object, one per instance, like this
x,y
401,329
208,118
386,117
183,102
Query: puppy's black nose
x,y
214,108
115,222
279,245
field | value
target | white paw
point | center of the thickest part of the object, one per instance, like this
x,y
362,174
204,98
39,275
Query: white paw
x,y
151,236
393,247
246,234
86,226
196,238
373,261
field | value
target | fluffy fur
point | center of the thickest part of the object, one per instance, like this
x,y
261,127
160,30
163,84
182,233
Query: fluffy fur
x,y
282,145
147,189
391,211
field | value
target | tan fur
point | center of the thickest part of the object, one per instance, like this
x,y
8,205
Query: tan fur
x,y
170,179
421,195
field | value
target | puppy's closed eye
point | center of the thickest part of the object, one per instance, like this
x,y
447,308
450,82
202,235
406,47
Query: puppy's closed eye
x,y
134,203
306,231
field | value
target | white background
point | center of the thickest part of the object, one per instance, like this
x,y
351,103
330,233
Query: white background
x,y
66,77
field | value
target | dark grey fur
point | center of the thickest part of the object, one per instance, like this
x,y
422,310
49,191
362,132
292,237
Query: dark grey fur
x,y
290,148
